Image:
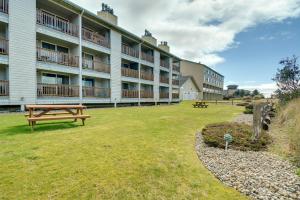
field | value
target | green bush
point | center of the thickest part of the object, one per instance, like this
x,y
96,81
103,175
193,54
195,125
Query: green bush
x,y
248,111
250,107
213,135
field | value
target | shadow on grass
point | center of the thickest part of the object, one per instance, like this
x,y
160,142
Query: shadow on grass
x,y
38,128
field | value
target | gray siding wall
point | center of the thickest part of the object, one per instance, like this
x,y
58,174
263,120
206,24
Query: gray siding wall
x,y
22,49
115,66
156,75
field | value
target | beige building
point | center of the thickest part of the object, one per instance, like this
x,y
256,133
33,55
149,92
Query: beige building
x,y
189,89
209,82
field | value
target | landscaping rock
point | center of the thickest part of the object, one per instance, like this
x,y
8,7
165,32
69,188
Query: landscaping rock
x,y
259,175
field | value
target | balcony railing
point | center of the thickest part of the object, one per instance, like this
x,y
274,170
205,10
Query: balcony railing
x,y
175,96
4,6
175,82
147,94
130,93
95,92
57,90
130,51
147,57
46,55
147,76
164,95
95,65
165,64
130,72
56,23
4,88
176,68
3,46
164,80
95,38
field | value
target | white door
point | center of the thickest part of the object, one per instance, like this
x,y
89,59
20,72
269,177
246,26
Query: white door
x,y
190,95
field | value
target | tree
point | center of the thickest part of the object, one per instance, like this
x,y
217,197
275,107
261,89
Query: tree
x,y
255,92
288,79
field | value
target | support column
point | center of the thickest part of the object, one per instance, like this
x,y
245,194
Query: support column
x,y
80,58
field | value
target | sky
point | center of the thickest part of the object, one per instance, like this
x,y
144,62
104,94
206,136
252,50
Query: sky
x,y
242,39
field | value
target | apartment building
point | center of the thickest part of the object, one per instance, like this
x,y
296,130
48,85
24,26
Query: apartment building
x,y
209,82
55,52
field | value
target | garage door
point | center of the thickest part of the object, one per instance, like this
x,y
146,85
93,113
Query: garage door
x,y
190,95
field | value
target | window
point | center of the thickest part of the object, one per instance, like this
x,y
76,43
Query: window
x,y
48,46
86,82
48,78
62,49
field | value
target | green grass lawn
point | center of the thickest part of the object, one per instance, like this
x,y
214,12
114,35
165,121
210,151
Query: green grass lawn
x,y
124,153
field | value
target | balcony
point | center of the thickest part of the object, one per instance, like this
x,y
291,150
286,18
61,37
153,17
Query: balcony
x,y
130,93
164,95
147,76
176,68
147,57
96,92
165,64
147,94
4,88
46,55
56,23
130,51
175,96
175,82
3,46
4,6
95,38
130,72
164,80
57,90
95,65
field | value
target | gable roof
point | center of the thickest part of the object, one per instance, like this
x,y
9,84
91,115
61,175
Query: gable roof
x,y
184,79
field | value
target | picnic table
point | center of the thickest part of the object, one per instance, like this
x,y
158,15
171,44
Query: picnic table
x,y
54,112
200,104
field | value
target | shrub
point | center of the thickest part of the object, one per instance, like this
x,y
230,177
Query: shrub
x,y
213,135
242,104
258,97
250,107
248,111
247,98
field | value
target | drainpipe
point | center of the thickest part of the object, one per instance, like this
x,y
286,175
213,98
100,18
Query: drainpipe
x,y
80,57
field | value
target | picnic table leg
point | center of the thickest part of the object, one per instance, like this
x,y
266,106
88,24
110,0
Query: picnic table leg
x,y
83,122
77,113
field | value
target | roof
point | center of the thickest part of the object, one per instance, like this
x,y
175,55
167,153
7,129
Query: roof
x,y
184,79
203,66
95,17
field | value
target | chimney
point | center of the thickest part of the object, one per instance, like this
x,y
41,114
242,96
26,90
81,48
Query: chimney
x,y
107,14
149,38
164,46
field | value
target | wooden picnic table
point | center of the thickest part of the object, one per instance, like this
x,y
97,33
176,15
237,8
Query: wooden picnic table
x,y
200,104
54,112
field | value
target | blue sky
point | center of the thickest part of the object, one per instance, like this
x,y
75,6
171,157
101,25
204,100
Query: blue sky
x,y
254,60
242,39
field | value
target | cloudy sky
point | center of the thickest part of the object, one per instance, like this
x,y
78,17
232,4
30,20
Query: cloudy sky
x,y
242,39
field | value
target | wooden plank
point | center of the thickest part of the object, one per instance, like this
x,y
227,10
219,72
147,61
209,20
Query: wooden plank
x,y
54,106
53,113
58,118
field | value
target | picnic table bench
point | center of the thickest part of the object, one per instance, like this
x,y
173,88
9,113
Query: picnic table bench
x,y
200,104
54,112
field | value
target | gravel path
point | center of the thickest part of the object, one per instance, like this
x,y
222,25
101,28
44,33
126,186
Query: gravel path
x,y
259,175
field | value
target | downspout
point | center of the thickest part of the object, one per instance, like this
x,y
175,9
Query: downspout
x,y
80,57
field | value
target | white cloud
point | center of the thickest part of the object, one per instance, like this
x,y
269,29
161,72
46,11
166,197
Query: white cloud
x,y
265,88
197,29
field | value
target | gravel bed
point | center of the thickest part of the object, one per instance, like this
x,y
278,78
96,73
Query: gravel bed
x,y
259,175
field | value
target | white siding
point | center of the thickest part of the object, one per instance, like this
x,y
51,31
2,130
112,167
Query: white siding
x,y
22,49
115,66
